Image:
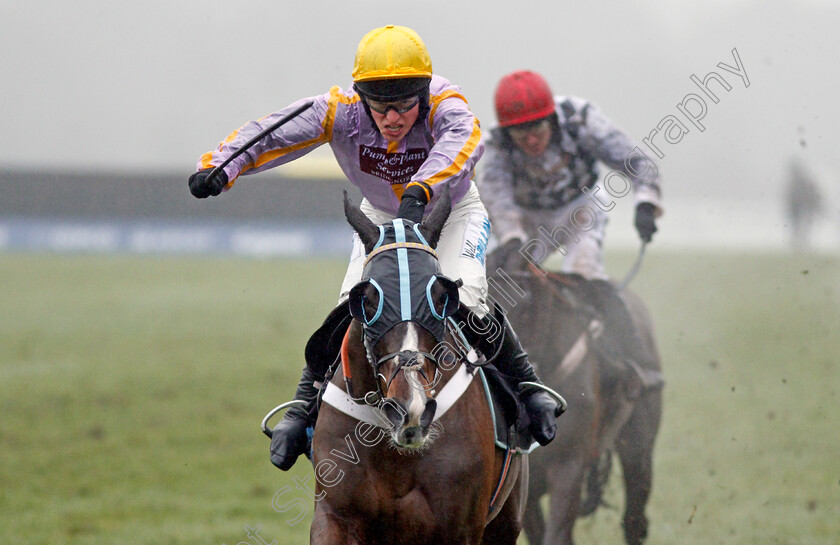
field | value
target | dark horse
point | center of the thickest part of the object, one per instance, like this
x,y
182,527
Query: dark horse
x,y
614,406
403,447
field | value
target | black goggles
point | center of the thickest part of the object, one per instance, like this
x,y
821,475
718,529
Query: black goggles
x,y
399,106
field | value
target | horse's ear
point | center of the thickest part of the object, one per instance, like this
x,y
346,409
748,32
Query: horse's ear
x,y
367,230
432,225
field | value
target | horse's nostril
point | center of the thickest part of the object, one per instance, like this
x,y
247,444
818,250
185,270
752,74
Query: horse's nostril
x,y
428,415
394,412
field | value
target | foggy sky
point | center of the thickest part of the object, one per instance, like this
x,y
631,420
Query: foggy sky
x,y
152,85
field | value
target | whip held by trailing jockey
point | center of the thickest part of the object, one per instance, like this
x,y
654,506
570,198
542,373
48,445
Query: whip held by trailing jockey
x,y
634,269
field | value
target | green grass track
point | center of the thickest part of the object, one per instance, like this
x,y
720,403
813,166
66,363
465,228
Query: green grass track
x,y
131,391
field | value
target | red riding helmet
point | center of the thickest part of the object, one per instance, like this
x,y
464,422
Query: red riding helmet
x,y
523,96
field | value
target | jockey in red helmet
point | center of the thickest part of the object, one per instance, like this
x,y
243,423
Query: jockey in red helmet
x,y
540,182
541,165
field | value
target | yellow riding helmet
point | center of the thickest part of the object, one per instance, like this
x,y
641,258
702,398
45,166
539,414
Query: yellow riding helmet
x,y
391,52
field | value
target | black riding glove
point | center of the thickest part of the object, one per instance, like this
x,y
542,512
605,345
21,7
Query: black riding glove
x,y
201,187
413,202
645,224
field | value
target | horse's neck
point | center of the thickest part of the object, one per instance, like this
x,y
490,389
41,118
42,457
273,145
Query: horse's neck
x,y
450,359
551,313
355,362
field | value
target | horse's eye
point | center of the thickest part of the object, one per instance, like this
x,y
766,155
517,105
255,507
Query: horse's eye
x,y
442,294
366,301
371,305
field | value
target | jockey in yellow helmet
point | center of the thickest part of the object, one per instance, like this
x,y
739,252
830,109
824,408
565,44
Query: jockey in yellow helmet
x,y
399,134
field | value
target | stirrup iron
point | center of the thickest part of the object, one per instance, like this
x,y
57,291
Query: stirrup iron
x,y
561,403
264,424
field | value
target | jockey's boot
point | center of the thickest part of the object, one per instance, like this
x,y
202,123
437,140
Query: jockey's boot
x,y
512,361
289,439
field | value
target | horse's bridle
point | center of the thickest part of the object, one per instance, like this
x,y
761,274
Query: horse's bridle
x,y
404,280
406,359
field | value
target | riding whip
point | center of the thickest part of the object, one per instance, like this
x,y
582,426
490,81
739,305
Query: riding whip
x,y
635,268
302,108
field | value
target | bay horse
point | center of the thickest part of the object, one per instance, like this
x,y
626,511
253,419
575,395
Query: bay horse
x,y
403,448
612,406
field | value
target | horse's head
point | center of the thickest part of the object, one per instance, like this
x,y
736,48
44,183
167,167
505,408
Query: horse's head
x,y
402,303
